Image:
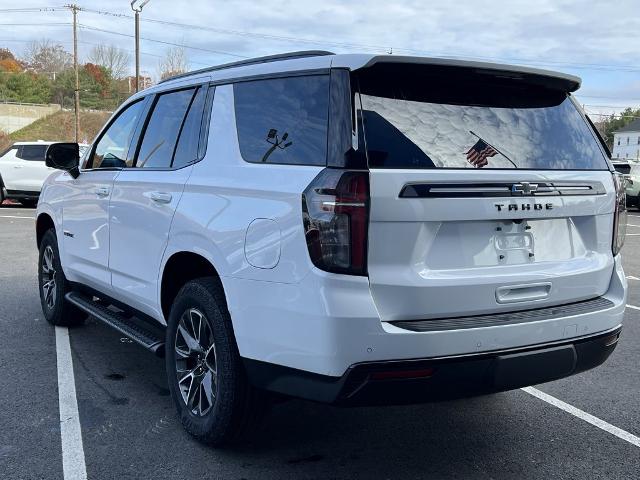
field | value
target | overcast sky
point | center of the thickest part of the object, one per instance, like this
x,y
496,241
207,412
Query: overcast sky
x,y
598,41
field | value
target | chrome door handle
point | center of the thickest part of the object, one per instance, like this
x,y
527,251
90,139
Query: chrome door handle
x,y
160,197
17,166
102,192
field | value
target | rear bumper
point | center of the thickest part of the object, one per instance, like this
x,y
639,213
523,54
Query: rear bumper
x,y
327,323
422,380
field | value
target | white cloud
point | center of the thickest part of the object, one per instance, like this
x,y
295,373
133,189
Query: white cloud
x,y
596,40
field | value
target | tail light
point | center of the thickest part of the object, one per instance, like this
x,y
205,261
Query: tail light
x,y
335,213
620,214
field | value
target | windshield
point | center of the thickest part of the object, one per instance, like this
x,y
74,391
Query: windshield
x,y
406,132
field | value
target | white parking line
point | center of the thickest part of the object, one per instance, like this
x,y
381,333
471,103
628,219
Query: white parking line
x,y
633,306
632,225
587,417
631,277
16,216
73,465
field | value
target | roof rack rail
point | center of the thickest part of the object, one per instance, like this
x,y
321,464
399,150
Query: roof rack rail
x,y
253,61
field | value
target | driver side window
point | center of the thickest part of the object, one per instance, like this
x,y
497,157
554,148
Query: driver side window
x,y
111,149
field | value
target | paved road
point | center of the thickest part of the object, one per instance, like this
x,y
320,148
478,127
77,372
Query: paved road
x,y
130,430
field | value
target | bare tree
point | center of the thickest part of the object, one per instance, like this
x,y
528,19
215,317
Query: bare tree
x,y
174,62
112,58
44,56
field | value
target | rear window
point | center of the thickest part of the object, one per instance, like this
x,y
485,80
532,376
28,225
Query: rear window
x,y
283,120
427,124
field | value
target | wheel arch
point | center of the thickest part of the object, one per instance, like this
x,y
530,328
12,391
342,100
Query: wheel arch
x,y
43,224
180,268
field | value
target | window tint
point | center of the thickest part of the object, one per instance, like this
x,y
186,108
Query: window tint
x,y
163,129
111,149
402,133
187,149
623,168
283,120
32,152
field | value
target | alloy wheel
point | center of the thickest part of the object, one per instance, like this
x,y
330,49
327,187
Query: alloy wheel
x,y
196,362
49,277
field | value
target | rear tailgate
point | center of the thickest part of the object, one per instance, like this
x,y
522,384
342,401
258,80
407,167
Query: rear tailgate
x,y
447,243
490,192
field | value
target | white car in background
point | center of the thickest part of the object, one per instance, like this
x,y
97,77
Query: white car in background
x,y
23,171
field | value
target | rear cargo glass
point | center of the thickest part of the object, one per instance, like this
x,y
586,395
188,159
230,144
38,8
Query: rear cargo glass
x,y
423,123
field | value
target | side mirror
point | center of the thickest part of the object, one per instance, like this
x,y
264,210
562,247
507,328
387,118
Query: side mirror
x,y
64,156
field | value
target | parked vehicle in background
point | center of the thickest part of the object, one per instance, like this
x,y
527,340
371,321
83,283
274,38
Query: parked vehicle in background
x,y
23,171
351,229
623,167
633,184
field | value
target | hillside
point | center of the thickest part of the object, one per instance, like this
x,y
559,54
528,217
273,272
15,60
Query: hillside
x,y
60,127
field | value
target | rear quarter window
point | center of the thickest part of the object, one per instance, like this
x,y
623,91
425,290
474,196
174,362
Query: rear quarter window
x,y
283,120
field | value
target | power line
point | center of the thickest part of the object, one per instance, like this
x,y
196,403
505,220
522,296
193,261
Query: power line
x,y
32,9
149,54
594,66
46,24
182,45
603,106
529,61
608,98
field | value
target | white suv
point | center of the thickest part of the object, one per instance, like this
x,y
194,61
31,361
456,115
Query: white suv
x,y
351,229
23,171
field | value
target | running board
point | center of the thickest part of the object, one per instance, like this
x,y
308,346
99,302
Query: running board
x,y
131,327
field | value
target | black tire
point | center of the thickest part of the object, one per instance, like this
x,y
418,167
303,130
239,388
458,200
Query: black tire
x,y
56,310
236,407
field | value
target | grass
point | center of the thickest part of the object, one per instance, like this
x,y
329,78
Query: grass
x,y
58,127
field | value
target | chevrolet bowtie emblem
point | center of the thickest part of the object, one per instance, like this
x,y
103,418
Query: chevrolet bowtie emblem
x,y
524,188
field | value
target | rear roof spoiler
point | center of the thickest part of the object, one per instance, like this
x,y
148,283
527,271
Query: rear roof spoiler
x,y
547,78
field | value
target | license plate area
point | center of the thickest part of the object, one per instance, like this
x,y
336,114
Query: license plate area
x,y
472,244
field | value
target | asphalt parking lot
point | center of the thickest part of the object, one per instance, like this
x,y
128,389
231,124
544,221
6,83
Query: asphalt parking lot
x,y
129,428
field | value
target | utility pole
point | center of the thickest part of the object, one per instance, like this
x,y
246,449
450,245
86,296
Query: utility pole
x,y
76,106
137,12
74,8
137,50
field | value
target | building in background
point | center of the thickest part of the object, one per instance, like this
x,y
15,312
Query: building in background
x,y
626,141
145,82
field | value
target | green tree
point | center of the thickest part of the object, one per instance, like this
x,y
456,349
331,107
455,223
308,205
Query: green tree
x,y
24,87
609,125
97,88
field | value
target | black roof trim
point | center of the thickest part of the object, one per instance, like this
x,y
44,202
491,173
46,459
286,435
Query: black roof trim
x,y
254,61
558,80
